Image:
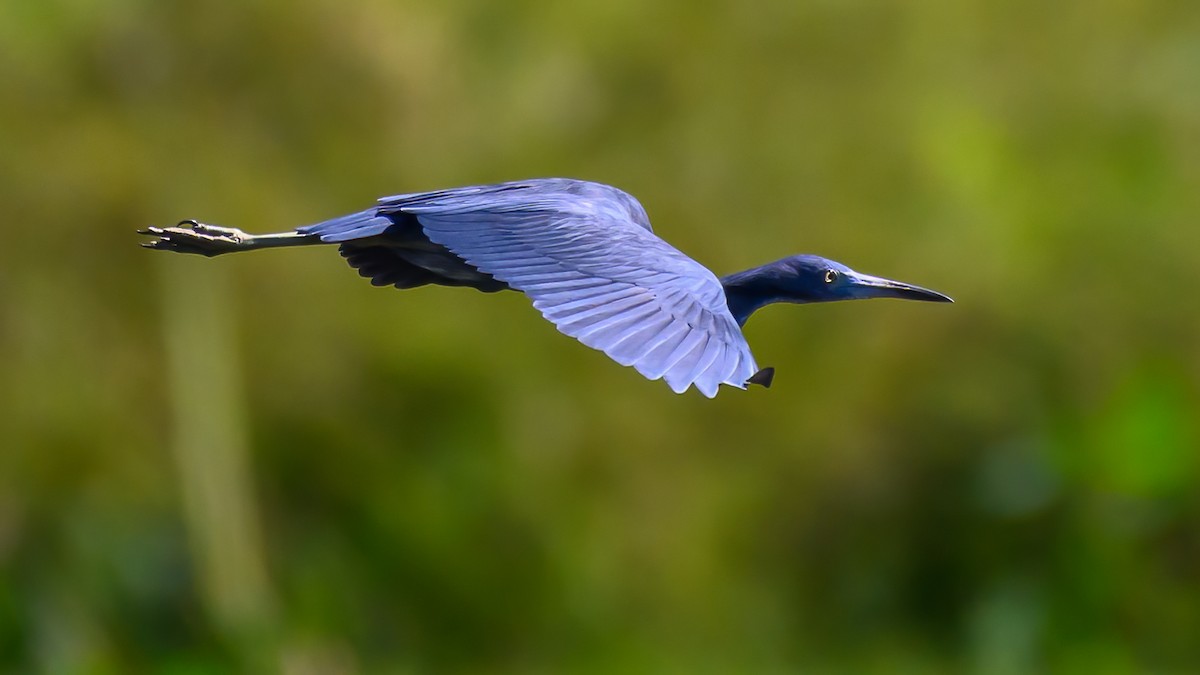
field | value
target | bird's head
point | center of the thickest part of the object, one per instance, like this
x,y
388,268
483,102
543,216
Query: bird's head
x,y
811,278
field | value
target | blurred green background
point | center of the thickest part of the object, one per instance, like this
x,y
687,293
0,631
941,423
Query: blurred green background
x,y
260,463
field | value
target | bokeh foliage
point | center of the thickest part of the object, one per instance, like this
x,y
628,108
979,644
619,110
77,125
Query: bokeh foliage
x,y
259,463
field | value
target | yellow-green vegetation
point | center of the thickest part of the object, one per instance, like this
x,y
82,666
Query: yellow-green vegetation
x,y
259,463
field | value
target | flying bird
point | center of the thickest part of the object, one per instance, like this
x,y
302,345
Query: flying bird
x,y
586,256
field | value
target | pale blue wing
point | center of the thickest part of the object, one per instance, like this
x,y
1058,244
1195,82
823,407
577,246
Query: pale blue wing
x,y
591,265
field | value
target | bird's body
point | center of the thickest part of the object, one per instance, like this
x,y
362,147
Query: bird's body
x,y
585,254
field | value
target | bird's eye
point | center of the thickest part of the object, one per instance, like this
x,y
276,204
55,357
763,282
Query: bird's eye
x,y
830,276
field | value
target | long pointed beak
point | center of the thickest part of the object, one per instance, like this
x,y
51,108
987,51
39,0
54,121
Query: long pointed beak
x,y
867,286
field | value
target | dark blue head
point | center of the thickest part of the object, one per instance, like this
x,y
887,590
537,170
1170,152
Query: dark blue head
x,y
811,278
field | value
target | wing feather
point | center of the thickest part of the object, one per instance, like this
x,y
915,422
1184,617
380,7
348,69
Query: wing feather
x,y
682,360
587,318
592,299
701,375
631,345
605,330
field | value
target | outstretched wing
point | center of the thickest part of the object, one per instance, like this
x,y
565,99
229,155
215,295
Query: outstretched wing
x,y
585,255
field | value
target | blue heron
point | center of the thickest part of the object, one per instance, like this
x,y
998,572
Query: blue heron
x,y
586,256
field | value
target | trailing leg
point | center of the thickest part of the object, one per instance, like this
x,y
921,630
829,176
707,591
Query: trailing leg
x,y
190,236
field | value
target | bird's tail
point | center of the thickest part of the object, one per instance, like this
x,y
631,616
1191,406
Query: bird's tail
x,y
359,225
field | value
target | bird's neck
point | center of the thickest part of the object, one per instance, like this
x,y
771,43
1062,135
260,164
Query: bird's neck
x,y
746,292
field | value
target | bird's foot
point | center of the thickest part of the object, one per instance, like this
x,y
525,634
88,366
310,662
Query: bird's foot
x,y
190,236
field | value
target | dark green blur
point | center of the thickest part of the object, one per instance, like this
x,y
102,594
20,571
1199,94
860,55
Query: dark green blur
x,y
258,463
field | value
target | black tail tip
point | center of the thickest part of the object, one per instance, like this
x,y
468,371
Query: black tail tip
x,y
763,377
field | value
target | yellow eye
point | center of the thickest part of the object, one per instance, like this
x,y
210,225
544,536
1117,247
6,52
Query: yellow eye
x,y
830,276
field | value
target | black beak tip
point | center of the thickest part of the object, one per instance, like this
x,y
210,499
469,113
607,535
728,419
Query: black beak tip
x,y
918,293
922,295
